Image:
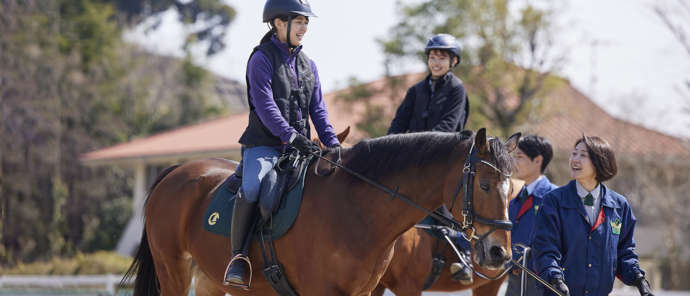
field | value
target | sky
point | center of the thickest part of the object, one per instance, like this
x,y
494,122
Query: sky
x,y
633,72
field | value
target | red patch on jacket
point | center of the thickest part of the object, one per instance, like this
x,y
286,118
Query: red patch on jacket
x,y
600,220
525,207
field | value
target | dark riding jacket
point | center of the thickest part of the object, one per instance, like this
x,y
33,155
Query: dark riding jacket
x,y
283,90
443,107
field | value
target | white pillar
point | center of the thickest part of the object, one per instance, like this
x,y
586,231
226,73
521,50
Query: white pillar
x,y
139,189
132,235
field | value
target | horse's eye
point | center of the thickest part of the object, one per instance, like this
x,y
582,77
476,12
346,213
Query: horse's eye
x,y
484,187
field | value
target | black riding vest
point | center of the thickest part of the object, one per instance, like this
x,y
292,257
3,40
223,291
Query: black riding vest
x,y
292,99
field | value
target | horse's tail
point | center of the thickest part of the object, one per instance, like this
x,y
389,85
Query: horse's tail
x,y
146,283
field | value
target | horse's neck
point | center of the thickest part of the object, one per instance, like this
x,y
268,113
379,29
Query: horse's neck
x,y
390,216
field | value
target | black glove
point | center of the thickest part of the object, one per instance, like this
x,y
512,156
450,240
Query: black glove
x,y
643,286
559,284
304,145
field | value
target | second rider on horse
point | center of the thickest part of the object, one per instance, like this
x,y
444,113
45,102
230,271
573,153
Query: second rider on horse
x,y
438,103
284,91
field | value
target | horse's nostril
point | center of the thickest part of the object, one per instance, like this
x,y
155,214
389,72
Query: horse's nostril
x,y
498,252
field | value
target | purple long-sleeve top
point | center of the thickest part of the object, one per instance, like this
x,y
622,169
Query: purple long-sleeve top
x,y
260,74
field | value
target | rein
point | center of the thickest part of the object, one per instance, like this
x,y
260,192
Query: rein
x,y
467,184
452,223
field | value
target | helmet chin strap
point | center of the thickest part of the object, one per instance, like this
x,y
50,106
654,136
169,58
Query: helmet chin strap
x,y
289,20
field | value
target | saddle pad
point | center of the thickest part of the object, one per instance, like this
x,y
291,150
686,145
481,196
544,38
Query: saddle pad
x,y
219,212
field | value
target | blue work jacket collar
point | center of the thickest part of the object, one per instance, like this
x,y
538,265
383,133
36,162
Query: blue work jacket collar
x,y
542,187
573,200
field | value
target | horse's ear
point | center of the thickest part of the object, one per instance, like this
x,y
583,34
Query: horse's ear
x,y
512,142
343,135
480,140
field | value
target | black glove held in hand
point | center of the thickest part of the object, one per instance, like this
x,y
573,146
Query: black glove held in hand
x,y
560,285
304,145
643,286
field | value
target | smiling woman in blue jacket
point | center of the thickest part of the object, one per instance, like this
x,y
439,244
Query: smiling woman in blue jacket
x,y
584,230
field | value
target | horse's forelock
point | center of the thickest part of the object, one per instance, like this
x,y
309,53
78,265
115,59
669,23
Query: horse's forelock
x,y
502,158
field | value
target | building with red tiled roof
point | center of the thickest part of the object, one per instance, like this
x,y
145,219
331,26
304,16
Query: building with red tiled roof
x,y
568,114
207,139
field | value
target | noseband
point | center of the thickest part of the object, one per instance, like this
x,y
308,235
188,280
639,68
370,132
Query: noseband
x,y
468,213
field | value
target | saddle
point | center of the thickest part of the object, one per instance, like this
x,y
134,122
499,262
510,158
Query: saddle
x,y
282,178
279,201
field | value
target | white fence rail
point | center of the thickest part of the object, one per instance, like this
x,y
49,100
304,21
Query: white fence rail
x,y
108,283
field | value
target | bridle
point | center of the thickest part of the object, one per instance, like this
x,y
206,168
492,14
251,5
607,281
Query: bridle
x,y
468,213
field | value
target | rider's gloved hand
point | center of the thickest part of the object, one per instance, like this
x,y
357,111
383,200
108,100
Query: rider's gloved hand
x,y
303,144
643,285
560,285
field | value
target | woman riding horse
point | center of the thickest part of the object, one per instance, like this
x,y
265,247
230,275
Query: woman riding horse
x,y
438,103
284,91
342,239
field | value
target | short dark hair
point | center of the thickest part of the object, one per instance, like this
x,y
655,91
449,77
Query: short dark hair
x,y
446,52
601,155
533,146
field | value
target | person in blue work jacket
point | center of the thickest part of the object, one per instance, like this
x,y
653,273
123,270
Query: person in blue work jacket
x,y
284,91
531,158
584,231
438,103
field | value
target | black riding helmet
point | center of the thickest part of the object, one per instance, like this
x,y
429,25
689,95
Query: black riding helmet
x,y
276,8
290,8
445,42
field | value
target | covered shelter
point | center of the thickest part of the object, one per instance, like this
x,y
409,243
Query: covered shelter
x,y
214,138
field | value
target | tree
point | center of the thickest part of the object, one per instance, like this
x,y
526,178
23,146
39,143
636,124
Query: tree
x,y
211,17
508,52
68,85
675,15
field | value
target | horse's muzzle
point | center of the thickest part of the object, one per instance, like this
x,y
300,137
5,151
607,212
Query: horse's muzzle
x,y
492,257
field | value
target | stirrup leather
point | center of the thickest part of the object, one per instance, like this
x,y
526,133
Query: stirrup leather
x,y
245,259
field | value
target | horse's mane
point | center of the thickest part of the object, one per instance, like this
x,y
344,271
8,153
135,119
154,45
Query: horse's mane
x,y
378,157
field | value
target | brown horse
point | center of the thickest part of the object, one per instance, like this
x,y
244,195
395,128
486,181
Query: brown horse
x,y
412,262
342,240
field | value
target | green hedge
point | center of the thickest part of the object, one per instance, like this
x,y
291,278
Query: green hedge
x,y
101,262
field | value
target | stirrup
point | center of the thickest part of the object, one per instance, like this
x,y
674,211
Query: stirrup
x,y
249,281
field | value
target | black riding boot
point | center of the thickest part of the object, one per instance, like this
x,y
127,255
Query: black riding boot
x,y
242,221
461,271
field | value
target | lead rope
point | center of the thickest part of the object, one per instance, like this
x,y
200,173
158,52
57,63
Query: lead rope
x,y
524,269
